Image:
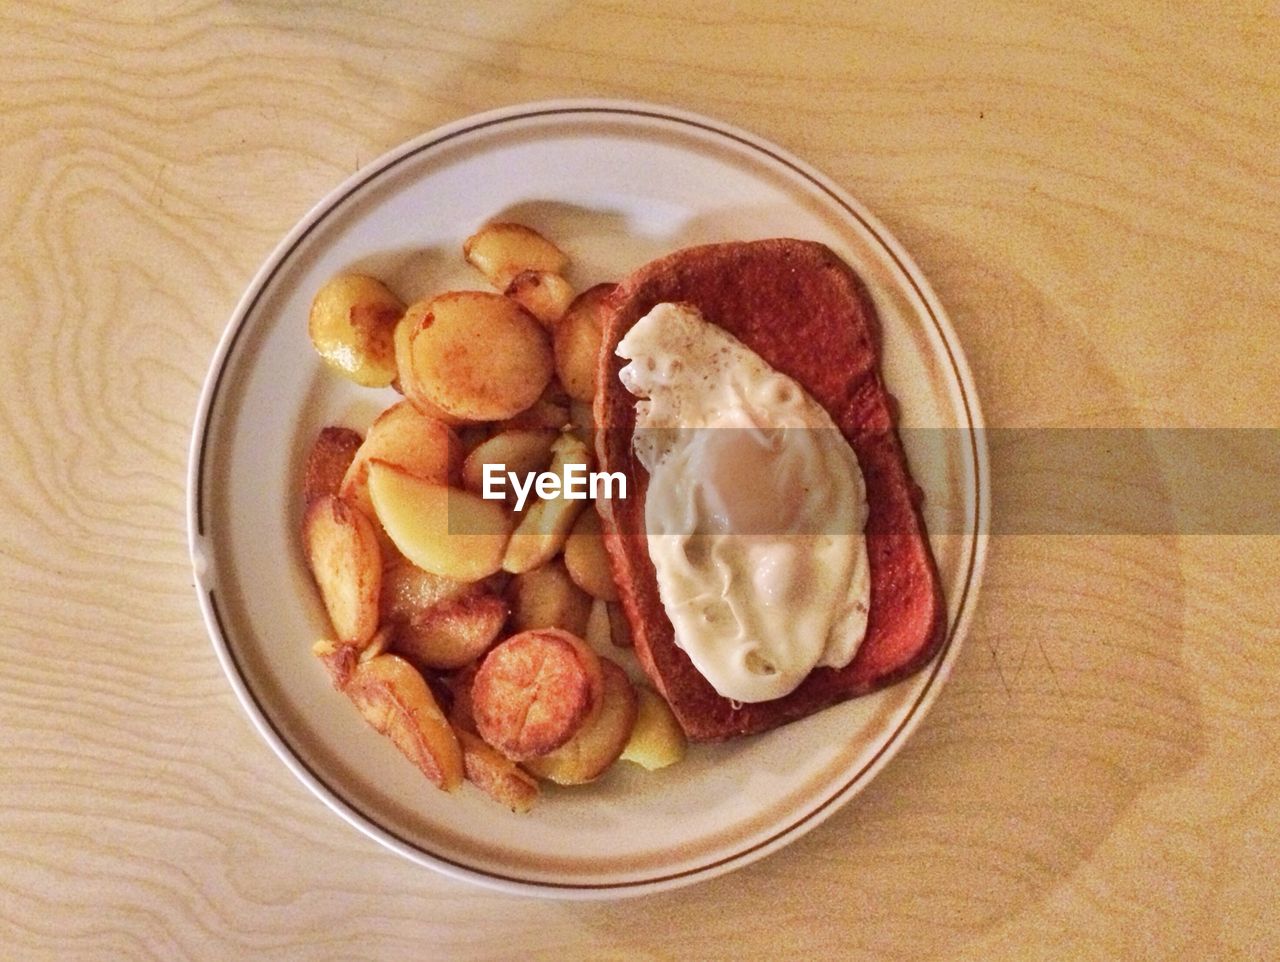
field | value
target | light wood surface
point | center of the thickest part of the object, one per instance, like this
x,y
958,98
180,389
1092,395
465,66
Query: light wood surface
x,y
1095,192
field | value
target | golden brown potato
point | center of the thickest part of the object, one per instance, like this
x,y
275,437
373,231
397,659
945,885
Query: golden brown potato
x,y
544,527
577,342
339,659
353,318
346,562
496,775
403,436
408,590
544,295
534,691
583,420
444,530
599,743
550,411
599,634
396,700
521,452
461,713
546,597
502,250
380,643
476,356
330,456
452,633
406,381
585,557
657,740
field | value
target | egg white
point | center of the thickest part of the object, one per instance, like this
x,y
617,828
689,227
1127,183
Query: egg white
x,y
755,508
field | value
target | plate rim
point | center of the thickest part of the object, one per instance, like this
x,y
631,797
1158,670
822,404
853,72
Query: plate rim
x,y
811,816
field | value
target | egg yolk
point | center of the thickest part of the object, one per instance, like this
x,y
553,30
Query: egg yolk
x,y
747,480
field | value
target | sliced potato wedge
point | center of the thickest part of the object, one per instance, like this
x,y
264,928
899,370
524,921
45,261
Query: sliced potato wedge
x,y
496,775
331,454
657,739
546,597
476,356
404,436
548,412
599,634
444,530
521,452
577,342
585,557
346,562
396,700
339,659
534,691
599,743
352,321
543,294
380,643
502,250
545,526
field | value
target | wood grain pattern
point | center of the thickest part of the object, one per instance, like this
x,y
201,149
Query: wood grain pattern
x,y
1095,192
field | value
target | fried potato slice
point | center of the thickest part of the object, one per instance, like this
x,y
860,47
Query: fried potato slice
x,y
583,420
452,633
380,643
522,452
545,526
502,250
543,294
339,659
476,356
403,436
396,700
585,557
546,597
461,712
577,342
496,775
599,633
444,530
406,381
408,590
657,740
345,560
352,322
534,691
551,410
330,456
599,743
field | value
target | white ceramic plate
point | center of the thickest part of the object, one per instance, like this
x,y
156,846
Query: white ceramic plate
x,y
615,184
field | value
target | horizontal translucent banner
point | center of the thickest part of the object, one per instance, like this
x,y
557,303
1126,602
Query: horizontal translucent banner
x,y
1079,481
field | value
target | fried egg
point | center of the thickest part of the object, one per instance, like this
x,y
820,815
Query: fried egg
x,y
755,510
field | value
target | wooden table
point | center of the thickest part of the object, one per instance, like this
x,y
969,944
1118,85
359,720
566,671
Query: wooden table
x,y
1096,197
